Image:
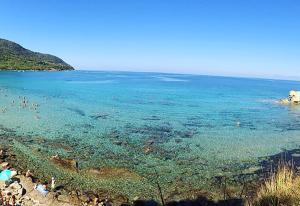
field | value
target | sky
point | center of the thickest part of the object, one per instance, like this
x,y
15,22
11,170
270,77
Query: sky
x,y
255,38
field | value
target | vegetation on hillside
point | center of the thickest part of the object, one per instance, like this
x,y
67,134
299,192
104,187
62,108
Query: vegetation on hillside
x,y
15,57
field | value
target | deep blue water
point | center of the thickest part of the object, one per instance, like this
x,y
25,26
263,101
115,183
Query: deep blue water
x,y
186,127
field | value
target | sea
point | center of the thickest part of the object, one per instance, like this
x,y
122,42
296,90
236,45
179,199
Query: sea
x,y
178,131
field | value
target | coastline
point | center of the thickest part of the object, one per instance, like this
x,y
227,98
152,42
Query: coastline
x,y
68,193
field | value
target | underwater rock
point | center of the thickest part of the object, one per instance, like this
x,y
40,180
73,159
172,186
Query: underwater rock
x,y
60,144
178,141
252,170
99,116
150,142
70,164
151,118
117,142
39,140
7,130
152,129
269,163
77,111
185,134
114,134
166,103
87,126
148,150
114,173
159,134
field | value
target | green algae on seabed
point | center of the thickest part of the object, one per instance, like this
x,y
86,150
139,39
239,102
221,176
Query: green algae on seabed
x,y
45,169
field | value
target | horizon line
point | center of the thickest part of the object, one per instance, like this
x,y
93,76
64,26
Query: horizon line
x,y
281,78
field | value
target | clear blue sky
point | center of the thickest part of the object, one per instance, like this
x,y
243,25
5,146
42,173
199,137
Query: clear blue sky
x,y
223,37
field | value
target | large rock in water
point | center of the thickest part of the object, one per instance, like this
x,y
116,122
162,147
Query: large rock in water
x,y
294,97
14,57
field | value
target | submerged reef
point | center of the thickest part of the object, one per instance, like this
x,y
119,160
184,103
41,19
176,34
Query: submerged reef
x,y
103,167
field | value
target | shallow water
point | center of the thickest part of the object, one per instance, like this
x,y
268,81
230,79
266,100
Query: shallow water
x,y
187,128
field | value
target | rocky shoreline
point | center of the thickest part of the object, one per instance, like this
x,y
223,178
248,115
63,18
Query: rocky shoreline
x,y
22,186
21,189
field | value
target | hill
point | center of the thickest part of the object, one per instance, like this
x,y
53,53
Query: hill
x,y
14,57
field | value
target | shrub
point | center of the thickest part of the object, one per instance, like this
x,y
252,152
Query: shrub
x,y
282,188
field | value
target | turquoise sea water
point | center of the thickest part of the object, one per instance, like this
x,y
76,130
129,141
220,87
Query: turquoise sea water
x,y
187,128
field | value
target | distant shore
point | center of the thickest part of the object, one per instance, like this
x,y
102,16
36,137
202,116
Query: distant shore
x,y
33,70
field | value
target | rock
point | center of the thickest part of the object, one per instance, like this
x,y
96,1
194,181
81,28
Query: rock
x,y
95,171
63,198
59,144
15,186
148,150
136,198
19,193
113,173
117,142
15,189
150,142
251,170
99,116
293,98
84,198
73,193
2,154
120,199
4,165
284,101
178,141
70,164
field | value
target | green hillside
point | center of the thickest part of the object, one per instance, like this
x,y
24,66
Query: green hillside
x,y
15,57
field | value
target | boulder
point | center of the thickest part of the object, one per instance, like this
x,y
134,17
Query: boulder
x,y
294,97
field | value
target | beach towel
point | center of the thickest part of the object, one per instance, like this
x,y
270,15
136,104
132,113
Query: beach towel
x,y
42,190
5,175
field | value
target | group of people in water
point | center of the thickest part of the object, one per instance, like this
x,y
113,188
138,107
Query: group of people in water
x,y
23,102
